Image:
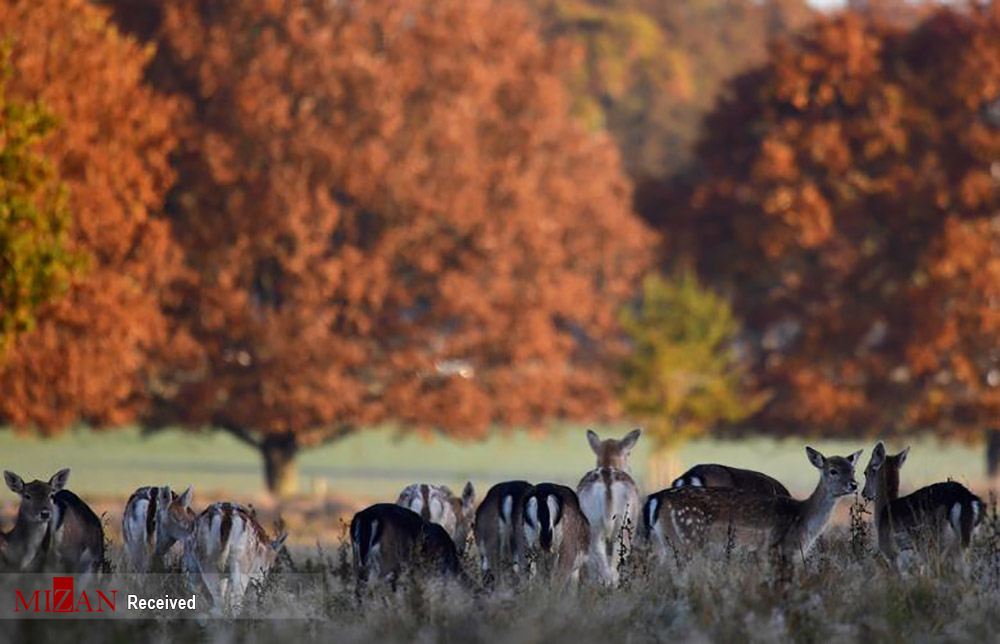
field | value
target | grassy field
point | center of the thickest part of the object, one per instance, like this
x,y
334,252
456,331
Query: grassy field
x,y
841,593
377,464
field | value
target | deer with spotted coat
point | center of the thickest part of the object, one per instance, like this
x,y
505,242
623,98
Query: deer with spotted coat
x,y
689,519
714,475
935,518
155,519
609,499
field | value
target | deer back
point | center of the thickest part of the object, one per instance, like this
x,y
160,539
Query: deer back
x,y
714,475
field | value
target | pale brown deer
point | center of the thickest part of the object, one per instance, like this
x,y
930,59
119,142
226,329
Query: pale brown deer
x,y
437,504
387,539
54,530
696,518
556,529
155,519
498,533
609,499
714,475
932,520
225,550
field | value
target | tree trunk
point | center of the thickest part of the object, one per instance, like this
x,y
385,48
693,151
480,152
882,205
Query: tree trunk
x,y
993,452
279,452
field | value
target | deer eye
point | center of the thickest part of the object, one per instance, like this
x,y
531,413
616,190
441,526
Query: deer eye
x,y
27,497
834,473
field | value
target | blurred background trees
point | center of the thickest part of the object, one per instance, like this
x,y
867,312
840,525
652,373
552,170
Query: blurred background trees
x,y
392,218
297,219
94,354
35,263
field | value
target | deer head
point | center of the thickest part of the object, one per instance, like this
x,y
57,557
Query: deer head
x,y
883,465
613,453
175,520
36,496
836,472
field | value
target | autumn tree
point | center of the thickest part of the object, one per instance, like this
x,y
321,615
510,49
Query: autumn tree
x,y
35,264
649,70
392,219
683,374
849,206
92,353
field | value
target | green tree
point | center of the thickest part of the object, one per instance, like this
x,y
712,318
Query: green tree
x,y
35,263
684,373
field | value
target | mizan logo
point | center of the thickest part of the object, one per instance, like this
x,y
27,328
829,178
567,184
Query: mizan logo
x,y
61,599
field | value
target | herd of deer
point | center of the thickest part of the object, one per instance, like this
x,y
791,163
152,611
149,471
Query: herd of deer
x,y
518,526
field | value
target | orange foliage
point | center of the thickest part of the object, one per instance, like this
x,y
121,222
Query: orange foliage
x,y
392,218
92,354
850,206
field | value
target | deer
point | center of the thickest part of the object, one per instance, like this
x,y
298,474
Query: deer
x,y
609,499
713,475
691,518
437,504
927,519
225,549
54,530
498,529
155,519
387,539
557,530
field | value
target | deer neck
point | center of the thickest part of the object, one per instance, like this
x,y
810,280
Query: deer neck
x,y
23,542
886,489
817,510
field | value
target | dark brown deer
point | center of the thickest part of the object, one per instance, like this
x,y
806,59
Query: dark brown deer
x,y
54,531
713,475
387,539
926,520
498,532
694,518
556,529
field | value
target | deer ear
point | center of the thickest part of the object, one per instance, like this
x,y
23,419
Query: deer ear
x,y
185,499
164,497
468,495
594,440
901,457
879,451
631,438
817,459
59,479
853,458
14,482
